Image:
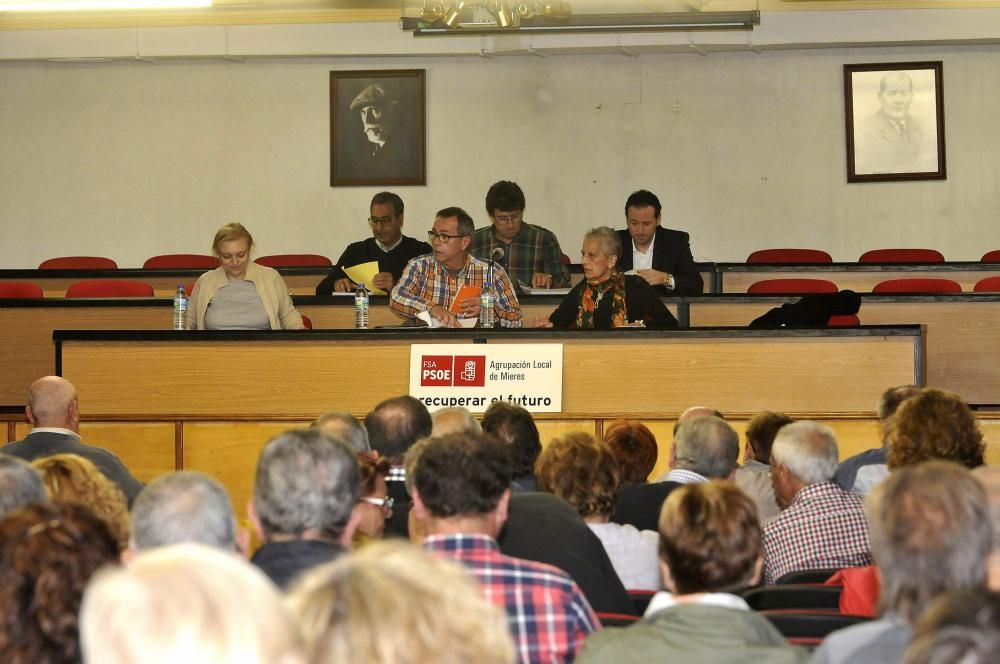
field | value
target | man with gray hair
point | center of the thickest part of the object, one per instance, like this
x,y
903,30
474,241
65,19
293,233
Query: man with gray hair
x,y
930,534
454,419
304,495
20,485
821,526
186,506
344,427
705,447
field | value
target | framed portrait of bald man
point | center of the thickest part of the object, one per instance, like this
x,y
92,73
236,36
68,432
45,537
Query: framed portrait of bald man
x,y
377,127
895,121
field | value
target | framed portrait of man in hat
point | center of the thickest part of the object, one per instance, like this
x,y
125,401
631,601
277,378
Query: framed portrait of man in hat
x,y
377,127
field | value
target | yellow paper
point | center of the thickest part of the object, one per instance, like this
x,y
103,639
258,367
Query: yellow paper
x,y
364,273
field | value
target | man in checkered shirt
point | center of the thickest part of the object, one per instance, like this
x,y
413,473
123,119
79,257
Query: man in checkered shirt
x,y
460,485
821,525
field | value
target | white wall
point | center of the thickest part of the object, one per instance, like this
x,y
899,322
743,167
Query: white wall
x,y
131,159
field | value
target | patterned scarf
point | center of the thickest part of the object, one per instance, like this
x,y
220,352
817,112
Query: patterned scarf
x,y
591,297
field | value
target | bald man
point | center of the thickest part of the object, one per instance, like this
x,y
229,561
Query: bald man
x,y
54,413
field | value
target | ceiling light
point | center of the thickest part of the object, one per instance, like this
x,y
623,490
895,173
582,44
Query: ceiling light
x,y
92,5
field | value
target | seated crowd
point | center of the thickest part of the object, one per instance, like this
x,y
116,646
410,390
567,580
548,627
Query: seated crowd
x,y
419,537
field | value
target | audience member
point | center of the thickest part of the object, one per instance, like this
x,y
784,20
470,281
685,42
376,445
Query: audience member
x,y
461,492
660,256
186,603
989,478
516,428
387,246
634,447
374,505
69,478
930,533
344,427
754,476
394,425
710,549
530,254
630,301
20,485
863,471
454,419
705,447
391,602
47,554
54,412
961,627
581,470
821,525
240,294
432,283
303,503
184,507
934,424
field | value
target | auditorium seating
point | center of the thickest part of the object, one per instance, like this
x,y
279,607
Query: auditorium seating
x,y
616,619
797,596
988,285
807,576
181,262
916,285
308,323
294,260
808,627
78,263
843,321
792,286
902,256
109,288
20,289
991,257
789,256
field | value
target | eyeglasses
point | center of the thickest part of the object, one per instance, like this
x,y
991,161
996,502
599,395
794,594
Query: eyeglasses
x,y
508,218
380,221
385,503
444,238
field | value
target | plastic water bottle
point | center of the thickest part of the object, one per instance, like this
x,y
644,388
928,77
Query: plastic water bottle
x,y
486,308
180,308
361,308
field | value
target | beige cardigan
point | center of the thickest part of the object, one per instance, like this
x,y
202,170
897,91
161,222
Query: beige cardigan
x,y
270,286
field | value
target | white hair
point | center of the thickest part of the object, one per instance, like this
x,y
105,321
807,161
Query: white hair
x,y
808,449
186,603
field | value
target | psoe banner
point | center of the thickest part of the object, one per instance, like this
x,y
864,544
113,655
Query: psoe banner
x,y
476,375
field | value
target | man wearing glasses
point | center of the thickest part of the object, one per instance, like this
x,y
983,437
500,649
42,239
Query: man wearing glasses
x,y
387,245
431,283
529,253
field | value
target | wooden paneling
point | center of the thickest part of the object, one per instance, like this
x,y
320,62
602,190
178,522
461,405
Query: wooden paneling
x,y
299,375
963,344
858,278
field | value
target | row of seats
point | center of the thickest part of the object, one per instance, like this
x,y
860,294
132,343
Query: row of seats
x,y
205,262
181,262
911,285
873,256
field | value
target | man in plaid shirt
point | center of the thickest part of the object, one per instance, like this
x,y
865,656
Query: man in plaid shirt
x,y
529,253
431,283
821,525
461,489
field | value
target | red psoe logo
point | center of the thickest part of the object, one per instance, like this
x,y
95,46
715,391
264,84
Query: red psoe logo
x,y
436,371
470,371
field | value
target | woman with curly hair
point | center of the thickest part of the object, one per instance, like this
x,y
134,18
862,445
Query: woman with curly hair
x,y
581,470
934,424
47,555
72,479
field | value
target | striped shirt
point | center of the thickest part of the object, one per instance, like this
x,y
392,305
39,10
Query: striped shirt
x,y
425,282
548,615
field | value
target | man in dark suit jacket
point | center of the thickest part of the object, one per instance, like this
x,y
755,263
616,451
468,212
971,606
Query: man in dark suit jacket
x,y
659,255
54,413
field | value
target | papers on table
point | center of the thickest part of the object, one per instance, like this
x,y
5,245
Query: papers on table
x,y
433,322
528,290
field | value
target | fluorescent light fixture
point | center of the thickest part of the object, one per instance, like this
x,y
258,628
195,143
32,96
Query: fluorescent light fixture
x,y
92,5
596,23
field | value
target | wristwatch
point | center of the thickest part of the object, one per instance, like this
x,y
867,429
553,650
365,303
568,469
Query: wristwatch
x,y
669,283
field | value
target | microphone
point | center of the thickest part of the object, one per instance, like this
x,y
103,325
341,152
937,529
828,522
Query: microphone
x,y
497,254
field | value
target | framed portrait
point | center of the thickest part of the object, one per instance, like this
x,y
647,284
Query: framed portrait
x,y
377,128
895,121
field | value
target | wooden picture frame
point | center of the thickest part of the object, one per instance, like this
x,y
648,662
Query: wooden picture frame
x,y
377,127
894,113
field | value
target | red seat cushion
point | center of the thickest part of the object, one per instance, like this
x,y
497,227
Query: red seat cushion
x,y
792,286
109,288
789,256
917,285
902,256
